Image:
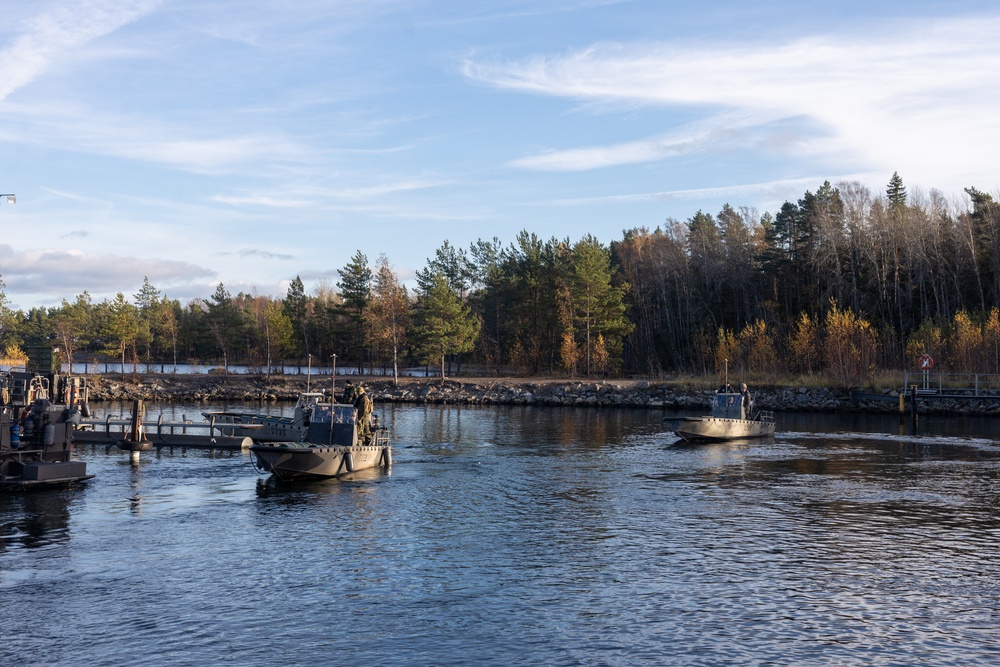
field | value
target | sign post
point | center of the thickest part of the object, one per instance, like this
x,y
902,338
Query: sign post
x,y
926,363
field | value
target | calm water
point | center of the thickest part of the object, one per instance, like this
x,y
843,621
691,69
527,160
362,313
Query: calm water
x,y
524,536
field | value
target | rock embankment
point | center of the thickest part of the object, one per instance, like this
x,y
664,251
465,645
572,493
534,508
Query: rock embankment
x,y
503,391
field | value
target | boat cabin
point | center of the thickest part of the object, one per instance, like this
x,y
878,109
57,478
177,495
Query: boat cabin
x,y
333,425
728,405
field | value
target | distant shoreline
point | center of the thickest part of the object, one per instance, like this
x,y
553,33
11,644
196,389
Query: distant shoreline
x,y
635,394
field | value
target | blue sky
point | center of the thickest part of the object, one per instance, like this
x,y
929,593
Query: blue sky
x,y
247,142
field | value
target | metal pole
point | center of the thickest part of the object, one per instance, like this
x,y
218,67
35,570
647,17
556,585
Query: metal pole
x,y
309,369
333,382
333,399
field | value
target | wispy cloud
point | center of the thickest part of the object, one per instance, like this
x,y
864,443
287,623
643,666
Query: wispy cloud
x,y
720,133
152,140
53,34
755,190
384,189
482,12
272,201
908,94
256,253
362,197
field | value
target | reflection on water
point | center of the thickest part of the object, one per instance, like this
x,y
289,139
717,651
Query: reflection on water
x,y
273,487
34,520
526,536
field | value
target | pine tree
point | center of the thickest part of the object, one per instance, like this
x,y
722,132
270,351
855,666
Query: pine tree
x,y
121,327
146,300
224,322
73,326
598,306
895,192
453,263
444,324
356,289
295,306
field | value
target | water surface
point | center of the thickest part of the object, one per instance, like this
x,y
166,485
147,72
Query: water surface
x,y
524,536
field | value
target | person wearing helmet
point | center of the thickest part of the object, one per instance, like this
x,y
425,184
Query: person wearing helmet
x,y
363,405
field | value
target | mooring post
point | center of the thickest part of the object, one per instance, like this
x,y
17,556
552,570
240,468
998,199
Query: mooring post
x,y
913,401
902,406
136,432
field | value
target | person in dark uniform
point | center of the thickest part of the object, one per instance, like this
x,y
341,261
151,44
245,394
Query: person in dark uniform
x,y
350,393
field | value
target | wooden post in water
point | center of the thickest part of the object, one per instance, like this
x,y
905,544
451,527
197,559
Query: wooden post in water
x,y
136,432
134,441
902,406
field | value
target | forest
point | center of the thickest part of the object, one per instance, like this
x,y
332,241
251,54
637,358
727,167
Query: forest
x,y
845,282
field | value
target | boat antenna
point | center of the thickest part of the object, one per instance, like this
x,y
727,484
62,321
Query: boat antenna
x,y
725,382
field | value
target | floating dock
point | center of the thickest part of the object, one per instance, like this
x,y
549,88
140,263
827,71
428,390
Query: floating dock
x,y
158,433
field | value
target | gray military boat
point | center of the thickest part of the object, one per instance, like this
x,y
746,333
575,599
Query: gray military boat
x,y
729,420
330,448
266,428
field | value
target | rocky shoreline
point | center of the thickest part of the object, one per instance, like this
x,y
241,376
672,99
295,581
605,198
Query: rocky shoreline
x,y
509,391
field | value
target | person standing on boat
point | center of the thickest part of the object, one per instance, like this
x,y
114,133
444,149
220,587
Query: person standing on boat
x,y
363,404
747,401
350,393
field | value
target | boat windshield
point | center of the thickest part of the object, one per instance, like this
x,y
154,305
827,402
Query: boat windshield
x,y
728,406
342,414
309,399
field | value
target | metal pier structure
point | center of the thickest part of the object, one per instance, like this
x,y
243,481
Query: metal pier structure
x,y
159,433
929,388
932,385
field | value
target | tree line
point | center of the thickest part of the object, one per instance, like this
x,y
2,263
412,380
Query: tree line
x,y
844,281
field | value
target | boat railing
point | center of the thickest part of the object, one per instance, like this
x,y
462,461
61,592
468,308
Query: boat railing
x,y
766,416
118,424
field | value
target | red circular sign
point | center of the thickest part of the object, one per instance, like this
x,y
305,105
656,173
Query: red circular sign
x,y
926,362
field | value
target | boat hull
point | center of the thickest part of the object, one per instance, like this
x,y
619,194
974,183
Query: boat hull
x,y
37,474
289,461
719,428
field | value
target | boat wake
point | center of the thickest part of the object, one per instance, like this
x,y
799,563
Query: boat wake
x,y
909,439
